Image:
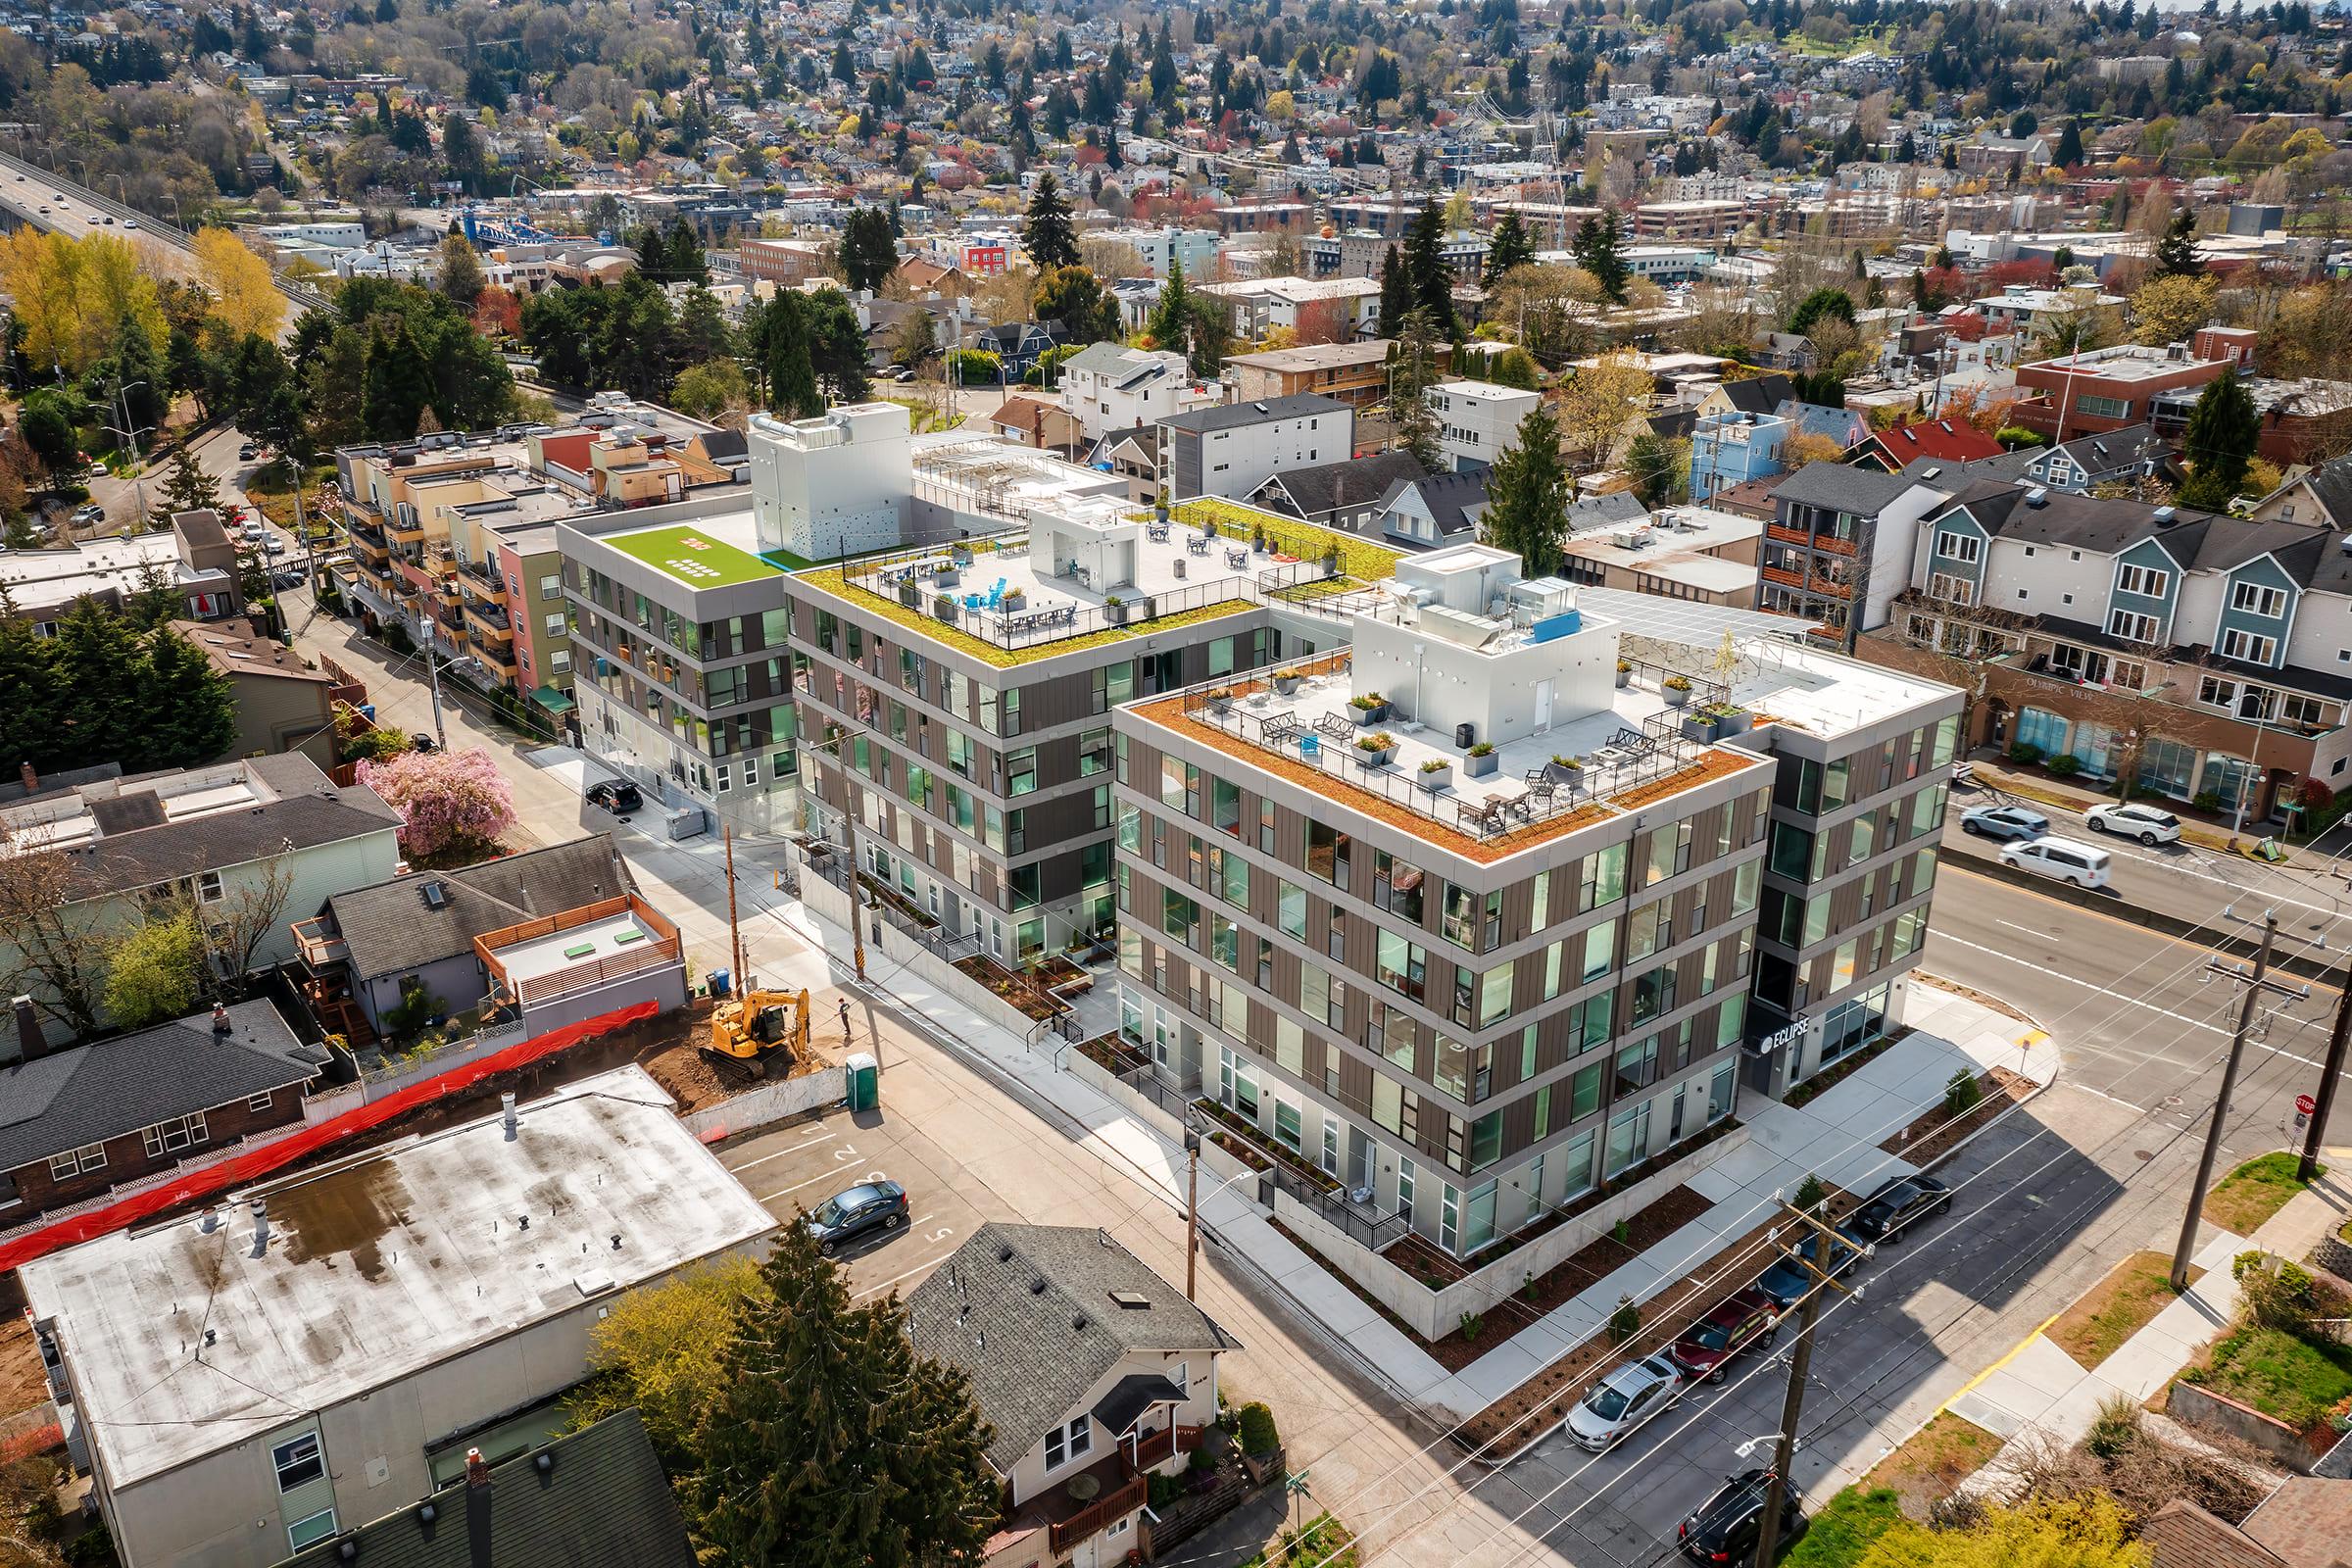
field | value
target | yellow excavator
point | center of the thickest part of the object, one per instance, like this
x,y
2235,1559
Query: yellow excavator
x,y
752,1029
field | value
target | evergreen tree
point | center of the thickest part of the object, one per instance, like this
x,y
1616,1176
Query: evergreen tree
x,y
1527,496
1170,322
1507,247
97,713
829,1443
1395,293
1600,249
1049,236
2223,429
1425,266
29,690
1413,371
869,252
2070,147
2177,254
791,372
188,487
187,710
397,386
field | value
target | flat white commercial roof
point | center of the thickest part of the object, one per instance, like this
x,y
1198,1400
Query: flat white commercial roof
x,y
379,1267
584,943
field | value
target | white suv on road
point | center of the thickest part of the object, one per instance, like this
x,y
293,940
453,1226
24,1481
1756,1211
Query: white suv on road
x,y
2150,824
1623,1401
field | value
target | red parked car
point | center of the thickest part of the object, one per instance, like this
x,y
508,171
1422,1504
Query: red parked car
x,y
1745,1321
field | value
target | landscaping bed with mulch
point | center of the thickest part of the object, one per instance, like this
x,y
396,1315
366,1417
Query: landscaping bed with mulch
x,y
1035,1004
1829,1077
1934,1132
2119,1306
1257,1152
1112,1055
1520,1417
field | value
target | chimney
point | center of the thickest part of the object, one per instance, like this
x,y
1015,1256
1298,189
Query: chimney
x,y
31,779
221,1028
506,1105
29,1039
478,1510
261,1226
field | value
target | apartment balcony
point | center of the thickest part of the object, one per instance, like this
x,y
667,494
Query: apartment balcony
x,y
409,531
483,584
1798,536
369,544
497,658
488,622
417,577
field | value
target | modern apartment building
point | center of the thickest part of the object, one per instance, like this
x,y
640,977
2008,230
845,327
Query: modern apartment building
x,y
1822,556
684,676
1730,449
956,698
2205,655
833,485
1471,984
1478,421
1108,387
1353,373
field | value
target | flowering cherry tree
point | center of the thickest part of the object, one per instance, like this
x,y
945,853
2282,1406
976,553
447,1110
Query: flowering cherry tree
x,y
453,805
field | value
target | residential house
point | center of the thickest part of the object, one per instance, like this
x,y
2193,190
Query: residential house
x,y
1085,1363
1134,456
1478,421
2205,654
1759,395
1842,427
447,1285
283,703
250,842
1038,420
1346,495
196,561
1233,449
2321,494
1989,152
1192,249
1433,511
1108,387
1728,449
1017,345
2305,1522
542,938
1686,551
1313,310
591,1495
78,1122
1353,373
1934,440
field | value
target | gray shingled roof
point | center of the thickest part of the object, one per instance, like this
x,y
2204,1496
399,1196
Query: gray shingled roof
x,y
603,1500
1027,1311
92,1092
388,929
1326,487
1235,416
310,811
1842,488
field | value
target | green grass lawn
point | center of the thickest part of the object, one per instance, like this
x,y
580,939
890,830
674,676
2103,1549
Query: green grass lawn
x,y
2254,1191
693,556
2281,1374
1845,1528
2117,1307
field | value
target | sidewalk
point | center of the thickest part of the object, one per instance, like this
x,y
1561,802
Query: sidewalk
x,y
2040,1390
1835,1136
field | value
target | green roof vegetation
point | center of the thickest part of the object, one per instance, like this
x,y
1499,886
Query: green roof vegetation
x,y
693,556
834,581
1358,557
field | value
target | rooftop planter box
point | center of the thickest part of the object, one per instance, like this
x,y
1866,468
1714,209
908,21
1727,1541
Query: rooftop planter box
x,y
1676,690
1434,775
1564,771
1479,761
943,607
1625,675
1376,748
948,576
1368,710
911,595
1221,700
1286,682
1114,611
1715,721
1015,601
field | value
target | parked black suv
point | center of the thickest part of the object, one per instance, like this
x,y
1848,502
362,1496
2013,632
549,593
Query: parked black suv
x,y
615,795
848,1215
1724,1528
1894,1207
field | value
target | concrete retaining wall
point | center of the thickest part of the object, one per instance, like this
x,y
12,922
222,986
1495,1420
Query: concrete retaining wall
x,y
768,1104
1434,1313
2200,1407
1141,1107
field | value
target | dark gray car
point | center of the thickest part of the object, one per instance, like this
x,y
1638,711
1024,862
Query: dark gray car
x,y
848,1215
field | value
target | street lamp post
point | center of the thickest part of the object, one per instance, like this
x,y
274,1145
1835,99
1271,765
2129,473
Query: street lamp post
x,y
130,431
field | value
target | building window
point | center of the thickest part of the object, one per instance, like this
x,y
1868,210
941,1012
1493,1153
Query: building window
x,y
2145,581
2130,627
78,1163
170,1137
2216,693
298,1461
260,1102
2099,408
2246,644
1073,1441
1961,547
2038,726
208,887
309,1532
2257,600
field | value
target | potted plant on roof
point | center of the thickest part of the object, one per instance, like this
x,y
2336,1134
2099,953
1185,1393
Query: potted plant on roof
x,y
1115,609
1676,689
1564,769
1625,674
1220,698
1435,774
1376,748
943,607
1015,601
909,593
949,574
1286,682
1159,505
1480,759
1367,708
1714,721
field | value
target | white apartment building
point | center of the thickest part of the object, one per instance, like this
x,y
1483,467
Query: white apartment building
x,y
1477,419
833,485
1194,248
1233,449
1111,387
1317,309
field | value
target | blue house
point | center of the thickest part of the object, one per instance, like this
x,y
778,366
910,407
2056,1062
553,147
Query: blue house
x,y
1728,449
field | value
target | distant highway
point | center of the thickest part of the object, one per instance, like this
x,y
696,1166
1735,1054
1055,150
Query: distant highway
x,y
41,198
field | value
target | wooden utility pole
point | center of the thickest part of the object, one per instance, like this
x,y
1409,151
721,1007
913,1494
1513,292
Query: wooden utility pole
x,y
2254,984
734,929
2307,1170
1191,1208
1800,1367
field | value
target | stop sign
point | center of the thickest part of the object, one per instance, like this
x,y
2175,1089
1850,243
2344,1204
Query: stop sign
x,y
2305,1104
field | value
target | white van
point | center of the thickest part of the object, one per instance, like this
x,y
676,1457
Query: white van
x,y
2082,864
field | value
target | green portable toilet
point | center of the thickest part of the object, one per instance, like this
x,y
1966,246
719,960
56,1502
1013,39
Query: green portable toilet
x,y
864,1086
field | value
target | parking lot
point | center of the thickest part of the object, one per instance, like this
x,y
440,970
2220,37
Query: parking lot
x,y
799,1166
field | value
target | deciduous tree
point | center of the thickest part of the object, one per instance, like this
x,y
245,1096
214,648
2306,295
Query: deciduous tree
x,y
245,296
155,970
453,805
